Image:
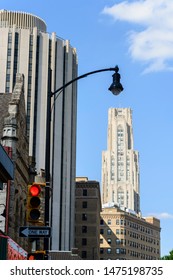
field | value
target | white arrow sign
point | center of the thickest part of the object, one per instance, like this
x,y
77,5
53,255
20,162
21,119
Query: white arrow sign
x,y
34,231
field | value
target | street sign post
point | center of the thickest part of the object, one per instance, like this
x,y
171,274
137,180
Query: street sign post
x,y
33,232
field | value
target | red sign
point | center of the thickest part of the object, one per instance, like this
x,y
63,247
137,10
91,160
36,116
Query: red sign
x,y
14,251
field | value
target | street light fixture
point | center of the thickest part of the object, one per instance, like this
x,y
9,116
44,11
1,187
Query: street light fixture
x,y
116,87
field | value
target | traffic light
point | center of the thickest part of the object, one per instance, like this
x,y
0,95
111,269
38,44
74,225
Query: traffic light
x,y
37,255
36,203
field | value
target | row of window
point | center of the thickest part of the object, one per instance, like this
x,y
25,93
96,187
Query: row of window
x,y
36,92
111,251
131,234
118,231
140,228
123,251
117,241
7,88
141,255
29,83
15,65
131,244
142,237
130,224
142,247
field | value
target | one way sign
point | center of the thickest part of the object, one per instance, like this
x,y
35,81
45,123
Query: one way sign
x,y
34,232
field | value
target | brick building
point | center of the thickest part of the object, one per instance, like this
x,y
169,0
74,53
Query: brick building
x,y
87,218
126,235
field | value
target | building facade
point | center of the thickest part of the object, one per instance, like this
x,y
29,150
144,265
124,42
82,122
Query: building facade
x,y
14,139
26,47
120,162
127,236
87,218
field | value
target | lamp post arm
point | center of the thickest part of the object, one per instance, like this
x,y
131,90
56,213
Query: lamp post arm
x,y
116,69
48,132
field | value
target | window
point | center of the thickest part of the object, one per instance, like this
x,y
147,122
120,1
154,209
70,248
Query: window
x,y
101,240
120,195
84,204
10,38
117,241
29,86
30,54
84,241
101,222
109,222
123,241
84,192
84,229
8,77
109,231
30,66
9,52
8,64
109,240
84,254
117,251
84,217
109,250
101,231
31,40
123,251
101,250
7,89
15,65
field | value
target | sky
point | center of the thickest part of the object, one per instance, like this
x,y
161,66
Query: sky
x,y
138,37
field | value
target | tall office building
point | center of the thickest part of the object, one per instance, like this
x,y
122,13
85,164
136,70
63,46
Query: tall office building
x,y
27,48
120,166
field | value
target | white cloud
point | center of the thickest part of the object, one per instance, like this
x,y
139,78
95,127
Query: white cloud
x,y
154,44
163,215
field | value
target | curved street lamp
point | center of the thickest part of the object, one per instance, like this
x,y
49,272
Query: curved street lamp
x,y
116,88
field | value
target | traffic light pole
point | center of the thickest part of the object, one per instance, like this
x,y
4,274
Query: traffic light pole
x,y
115,88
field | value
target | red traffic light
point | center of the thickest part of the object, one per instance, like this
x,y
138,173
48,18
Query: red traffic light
x,y
31,257
35,190
35,203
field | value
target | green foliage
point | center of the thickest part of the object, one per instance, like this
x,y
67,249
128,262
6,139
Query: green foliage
x,y
168,257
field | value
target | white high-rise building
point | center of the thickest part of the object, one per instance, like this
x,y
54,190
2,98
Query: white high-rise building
x,y
27,48
120,162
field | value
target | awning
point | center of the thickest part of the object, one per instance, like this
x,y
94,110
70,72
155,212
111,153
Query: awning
x,y
6,166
